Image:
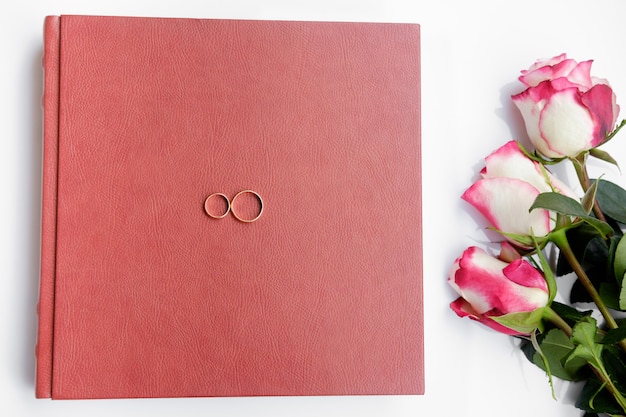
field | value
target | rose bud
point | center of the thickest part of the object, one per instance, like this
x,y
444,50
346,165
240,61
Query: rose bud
x,y
490,288
510,182
566,111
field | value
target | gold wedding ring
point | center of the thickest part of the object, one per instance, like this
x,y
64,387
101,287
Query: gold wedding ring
x,y
239,217
209,206
210,210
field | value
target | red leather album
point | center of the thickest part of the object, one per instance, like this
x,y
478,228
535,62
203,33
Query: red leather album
x,y
230,208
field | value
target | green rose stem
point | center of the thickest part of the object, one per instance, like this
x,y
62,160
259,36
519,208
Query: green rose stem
x,y
598,369
559,238
553,317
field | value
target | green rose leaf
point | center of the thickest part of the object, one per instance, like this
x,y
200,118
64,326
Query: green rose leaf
x,y
622,295
555,347
614,336
603,155
611,199
579,239
589,198
614,362
570,207
569,313
584,338
598,257
606,365
596,253
619,263
523,322
559,203
595,396
609,293
547,272
595,399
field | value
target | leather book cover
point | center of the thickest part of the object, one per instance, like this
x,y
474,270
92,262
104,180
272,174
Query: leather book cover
x,y
230,208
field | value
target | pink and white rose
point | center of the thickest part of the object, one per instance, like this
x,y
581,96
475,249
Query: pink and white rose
x,y
566,111
489,288
509,184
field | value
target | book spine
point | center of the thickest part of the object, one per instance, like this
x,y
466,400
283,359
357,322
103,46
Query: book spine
x,y
45,307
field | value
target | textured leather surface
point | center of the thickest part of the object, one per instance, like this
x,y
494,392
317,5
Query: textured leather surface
x,y
45,308
322,294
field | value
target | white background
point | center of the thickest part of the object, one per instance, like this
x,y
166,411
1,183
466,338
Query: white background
x,y
472,52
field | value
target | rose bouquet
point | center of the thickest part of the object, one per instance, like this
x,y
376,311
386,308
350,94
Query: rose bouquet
x,y
568,115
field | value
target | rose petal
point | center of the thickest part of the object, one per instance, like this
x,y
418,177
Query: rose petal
x,y
548,73
523,273
566,124
486,290
530,102
581,75
505,203
488,283
548,61
476,278
463,309
508,253
563,83
509,161
601,102
563,117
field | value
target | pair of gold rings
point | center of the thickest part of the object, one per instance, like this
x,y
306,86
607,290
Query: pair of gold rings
x,y
210,202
